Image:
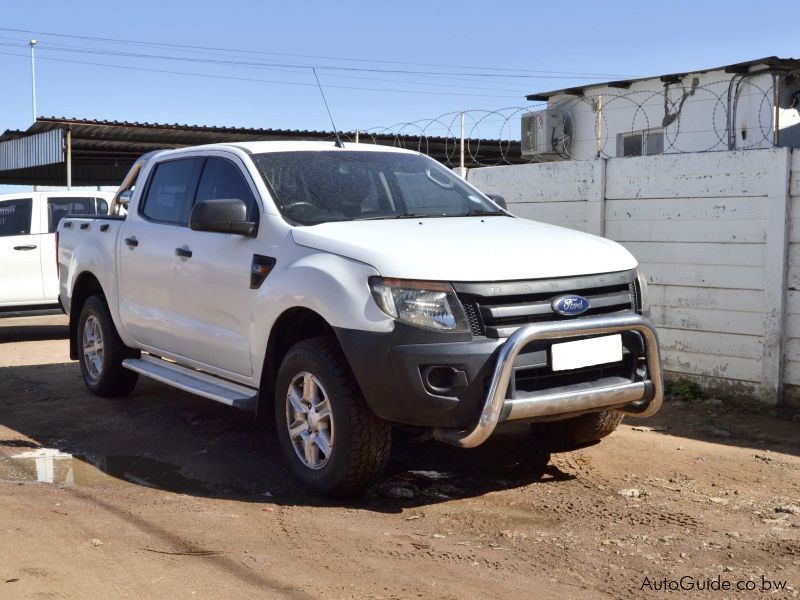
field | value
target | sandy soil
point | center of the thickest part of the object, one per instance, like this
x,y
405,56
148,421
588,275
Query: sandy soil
x,y
164,495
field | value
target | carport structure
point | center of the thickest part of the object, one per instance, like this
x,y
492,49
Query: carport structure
x,y
59,151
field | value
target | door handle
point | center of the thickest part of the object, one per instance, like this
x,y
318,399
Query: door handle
x,y
183,252
24,247
132,242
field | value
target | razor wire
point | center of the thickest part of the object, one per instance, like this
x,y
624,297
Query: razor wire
x,y
495,131
681,112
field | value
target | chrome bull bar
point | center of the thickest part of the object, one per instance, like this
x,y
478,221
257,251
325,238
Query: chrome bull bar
x,y
636,398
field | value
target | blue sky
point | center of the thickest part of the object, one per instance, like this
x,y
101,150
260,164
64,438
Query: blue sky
x,y
462,55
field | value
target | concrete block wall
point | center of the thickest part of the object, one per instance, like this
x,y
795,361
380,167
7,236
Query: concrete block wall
x,y
718,238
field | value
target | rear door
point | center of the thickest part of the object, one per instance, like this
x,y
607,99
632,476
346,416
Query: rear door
x,y
147,252
56,208
212,286
20,253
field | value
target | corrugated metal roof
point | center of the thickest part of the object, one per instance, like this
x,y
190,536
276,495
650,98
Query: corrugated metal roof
x,y
103,151
36,150
742,67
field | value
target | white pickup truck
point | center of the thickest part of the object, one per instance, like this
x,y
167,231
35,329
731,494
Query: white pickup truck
x,y
345,289
28,221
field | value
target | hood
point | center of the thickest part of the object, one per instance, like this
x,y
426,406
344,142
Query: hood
x,y
467,248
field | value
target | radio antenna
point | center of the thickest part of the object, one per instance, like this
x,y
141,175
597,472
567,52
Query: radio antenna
x,y
339,143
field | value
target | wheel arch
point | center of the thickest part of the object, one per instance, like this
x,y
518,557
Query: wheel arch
x,y
292,326
86,285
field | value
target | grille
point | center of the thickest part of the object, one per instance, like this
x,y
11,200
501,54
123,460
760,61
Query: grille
x,y
498,309
474,320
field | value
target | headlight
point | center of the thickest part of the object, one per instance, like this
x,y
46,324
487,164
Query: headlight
x,y
644,296
427,304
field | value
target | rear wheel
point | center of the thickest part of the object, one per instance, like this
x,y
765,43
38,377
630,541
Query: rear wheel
x,y
580,431
101,351
333,442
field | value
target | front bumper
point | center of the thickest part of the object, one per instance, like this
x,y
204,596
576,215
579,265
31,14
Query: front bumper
x,y
390,369
638,398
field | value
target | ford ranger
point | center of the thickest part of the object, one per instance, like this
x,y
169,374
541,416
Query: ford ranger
x,y
342,290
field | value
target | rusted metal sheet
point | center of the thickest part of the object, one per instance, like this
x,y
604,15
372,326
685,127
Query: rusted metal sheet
x,y
46,148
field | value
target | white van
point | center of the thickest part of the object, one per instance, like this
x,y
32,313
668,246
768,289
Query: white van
x,y
28,222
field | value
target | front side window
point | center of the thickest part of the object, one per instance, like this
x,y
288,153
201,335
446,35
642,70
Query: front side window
x,y
222,179
316,187
171,190
15,217
58,208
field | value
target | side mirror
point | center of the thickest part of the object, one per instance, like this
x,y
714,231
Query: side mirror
x,y
124,198
499,200
225,215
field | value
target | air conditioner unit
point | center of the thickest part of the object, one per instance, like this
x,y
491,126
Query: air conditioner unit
x,y
541,132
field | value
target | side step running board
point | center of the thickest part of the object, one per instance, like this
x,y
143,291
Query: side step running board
x,y
195,382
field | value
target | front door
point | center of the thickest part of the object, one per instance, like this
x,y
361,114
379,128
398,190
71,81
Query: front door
x,y
212,286
20,252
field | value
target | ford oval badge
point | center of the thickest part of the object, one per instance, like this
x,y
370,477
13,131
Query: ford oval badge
x,y
571,305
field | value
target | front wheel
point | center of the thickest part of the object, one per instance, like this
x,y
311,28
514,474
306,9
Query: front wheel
x,y
101,351
334,444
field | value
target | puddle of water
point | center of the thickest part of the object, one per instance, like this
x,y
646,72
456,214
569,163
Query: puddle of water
x,y
50,465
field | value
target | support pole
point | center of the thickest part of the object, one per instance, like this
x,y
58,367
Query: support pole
x,y
461,163
33,43
69,158
596,199
776,85
357,136
599,126
778,202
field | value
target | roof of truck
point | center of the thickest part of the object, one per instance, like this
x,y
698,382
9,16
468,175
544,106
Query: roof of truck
x,y
295,146
279,146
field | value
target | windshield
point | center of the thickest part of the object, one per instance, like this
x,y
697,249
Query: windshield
x,y
317,187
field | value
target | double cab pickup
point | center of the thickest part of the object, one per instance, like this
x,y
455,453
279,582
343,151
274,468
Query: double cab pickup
x,y
342,290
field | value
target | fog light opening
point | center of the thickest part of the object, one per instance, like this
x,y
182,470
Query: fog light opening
x,y
443,380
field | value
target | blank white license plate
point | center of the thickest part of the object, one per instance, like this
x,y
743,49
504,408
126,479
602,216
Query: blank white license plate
x,y
585,353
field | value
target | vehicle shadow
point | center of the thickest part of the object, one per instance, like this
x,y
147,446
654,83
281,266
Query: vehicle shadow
x,y
33,333
163,438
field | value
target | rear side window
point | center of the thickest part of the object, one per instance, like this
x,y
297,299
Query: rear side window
x,y
222,179
171,190
15,217
58,208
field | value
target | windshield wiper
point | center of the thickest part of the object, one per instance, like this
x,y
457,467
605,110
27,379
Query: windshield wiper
x,y
405,215
478,212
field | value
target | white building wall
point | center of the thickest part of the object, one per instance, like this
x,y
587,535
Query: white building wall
x,y
693,114
704,228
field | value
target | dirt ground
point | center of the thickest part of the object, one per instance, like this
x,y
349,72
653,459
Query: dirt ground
x,y
165,495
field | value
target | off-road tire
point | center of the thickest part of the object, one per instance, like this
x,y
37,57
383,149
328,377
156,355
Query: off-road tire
x,y
112,379
361,443
580,431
